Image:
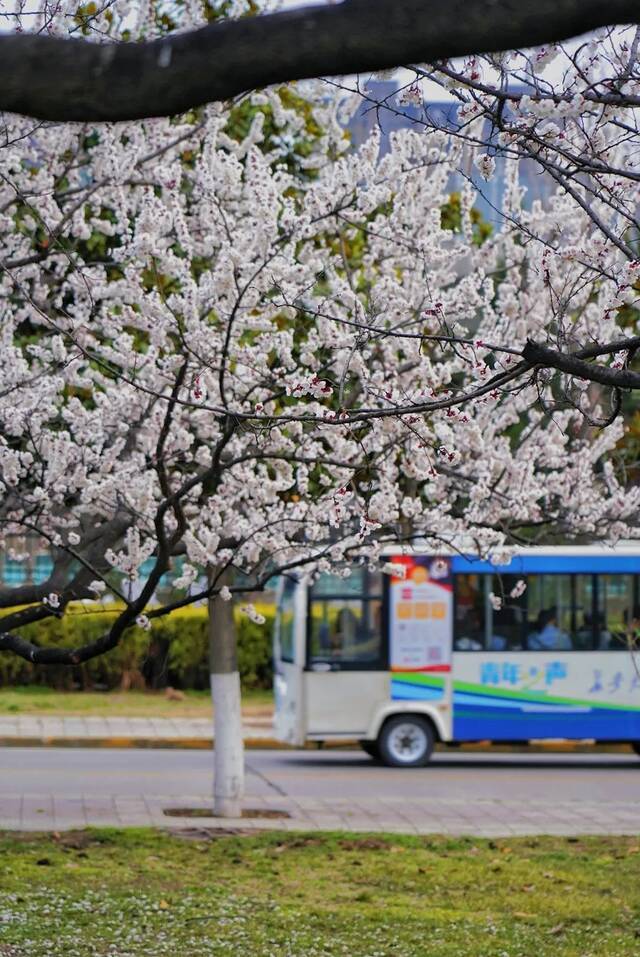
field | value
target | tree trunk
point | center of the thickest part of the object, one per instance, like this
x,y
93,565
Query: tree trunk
x,y
228,759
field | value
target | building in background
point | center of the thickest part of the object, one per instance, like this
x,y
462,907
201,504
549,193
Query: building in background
x,y
381,109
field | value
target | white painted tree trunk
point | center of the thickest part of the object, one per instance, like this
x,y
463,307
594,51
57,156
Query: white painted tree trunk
x,y
228,756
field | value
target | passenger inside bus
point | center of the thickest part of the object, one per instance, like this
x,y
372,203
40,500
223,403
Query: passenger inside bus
x,y
548,637
629,635
334,637
505,629
341,633
472,637
473,634
345,635
584,637
632,622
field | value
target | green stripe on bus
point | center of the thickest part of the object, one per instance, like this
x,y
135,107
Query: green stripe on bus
x,y
417,678
538,697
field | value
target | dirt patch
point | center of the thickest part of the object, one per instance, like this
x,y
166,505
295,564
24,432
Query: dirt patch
x,y
75,840
364,844
262,812
296,842
202,835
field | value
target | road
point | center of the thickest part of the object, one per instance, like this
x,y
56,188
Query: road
x,y
65,772
485,794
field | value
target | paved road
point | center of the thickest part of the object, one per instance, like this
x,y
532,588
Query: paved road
x,y
458,793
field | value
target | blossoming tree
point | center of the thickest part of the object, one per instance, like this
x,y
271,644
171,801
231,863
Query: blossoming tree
x,y
230,340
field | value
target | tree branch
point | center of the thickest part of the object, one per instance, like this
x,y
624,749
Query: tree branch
x,y
64,656
538,355
67,79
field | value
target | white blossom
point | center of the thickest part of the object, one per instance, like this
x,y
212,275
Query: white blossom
x,y
411,95
187,577
395,569
486,165
251,612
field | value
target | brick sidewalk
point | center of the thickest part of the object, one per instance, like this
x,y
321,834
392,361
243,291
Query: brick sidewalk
x,y
24,730
121,731
488,818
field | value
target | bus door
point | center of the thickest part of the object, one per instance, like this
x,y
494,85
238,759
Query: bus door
x,y
346,677
288,661
421,633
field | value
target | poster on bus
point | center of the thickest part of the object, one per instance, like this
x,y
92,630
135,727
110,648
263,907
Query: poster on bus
x,y
421,614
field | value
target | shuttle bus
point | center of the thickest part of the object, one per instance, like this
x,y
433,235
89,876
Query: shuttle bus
x,y
451,648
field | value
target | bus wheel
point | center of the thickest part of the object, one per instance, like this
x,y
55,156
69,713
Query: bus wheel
x,y
406,741
371,748
636,747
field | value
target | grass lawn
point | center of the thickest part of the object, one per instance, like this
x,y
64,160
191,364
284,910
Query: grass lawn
x,y
132,704
135,893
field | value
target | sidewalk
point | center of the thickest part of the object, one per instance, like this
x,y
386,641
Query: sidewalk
x,y
482,818
119,732
26,731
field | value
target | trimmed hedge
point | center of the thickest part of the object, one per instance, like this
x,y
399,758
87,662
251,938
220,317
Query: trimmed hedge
x,y
175,652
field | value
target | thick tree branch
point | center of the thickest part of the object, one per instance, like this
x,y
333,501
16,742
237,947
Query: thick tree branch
x,y
65,656
60,79
538,355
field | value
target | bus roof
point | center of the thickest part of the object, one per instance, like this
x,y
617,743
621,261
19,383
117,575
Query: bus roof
x,y
624,558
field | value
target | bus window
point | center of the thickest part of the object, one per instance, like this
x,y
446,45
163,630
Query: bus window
x,y
585,638
479,625
286,619
618,621
549,613
353,585
469,613
346,631
505,625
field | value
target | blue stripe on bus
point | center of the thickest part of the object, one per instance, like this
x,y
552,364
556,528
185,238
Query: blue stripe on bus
x,y
407,691
476,723
550,564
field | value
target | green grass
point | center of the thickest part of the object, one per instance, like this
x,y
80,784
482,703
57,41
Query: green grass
x,y
135,893
45,701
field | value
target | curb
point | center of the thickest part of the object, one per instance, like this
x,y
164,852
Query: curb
x,y
270,744
196,744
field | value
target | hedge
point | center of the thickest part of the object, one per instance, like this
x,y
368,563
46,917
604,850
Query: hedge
x,y
175,652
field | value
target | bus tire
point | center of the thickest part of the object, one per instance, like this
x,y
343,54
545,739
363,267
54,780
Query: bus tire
x,y
636,747
371,748
406,741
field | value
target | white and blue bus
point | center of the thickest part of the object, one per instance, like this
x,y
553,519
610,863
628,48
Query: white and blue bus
x,y
451,648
